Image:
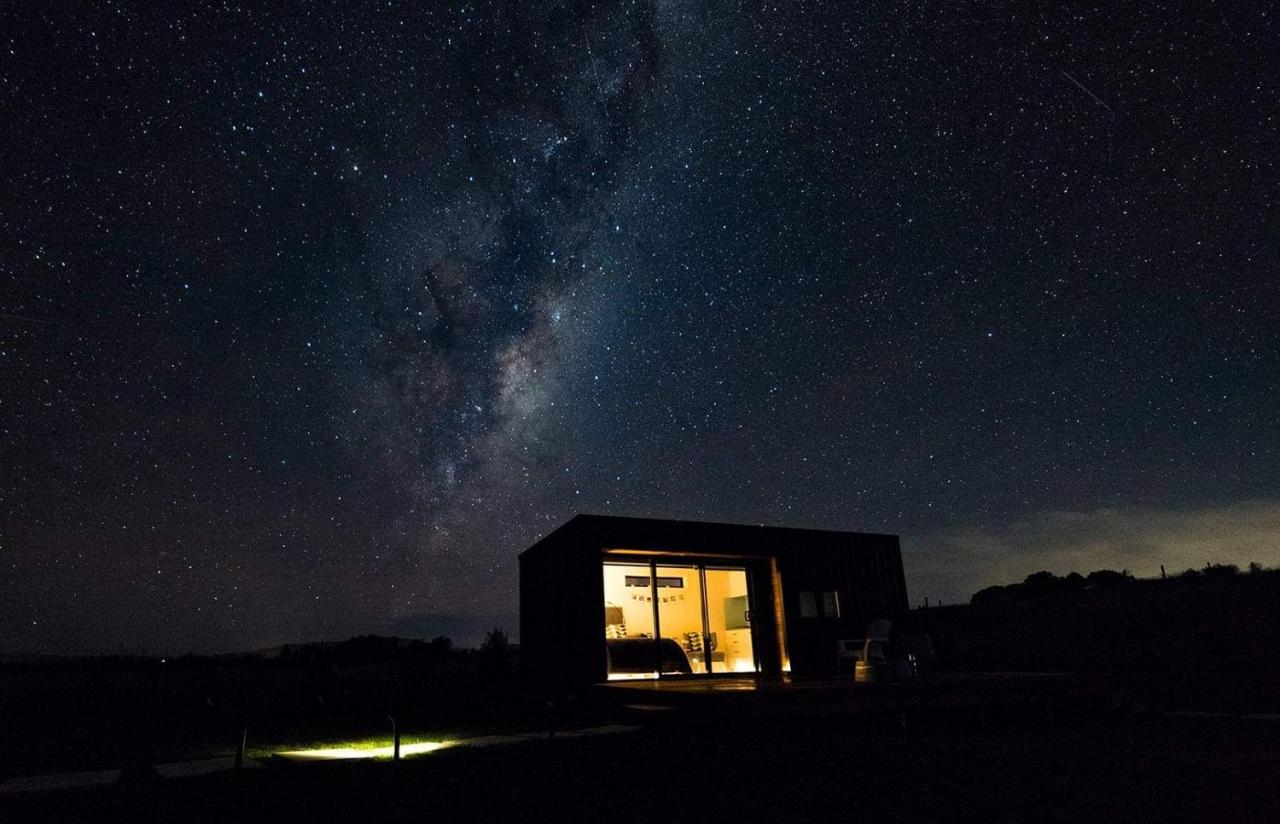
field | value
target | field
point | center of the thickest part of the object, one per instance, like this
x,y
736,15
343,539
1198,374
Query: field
x,y
1125,748
944,768
105,713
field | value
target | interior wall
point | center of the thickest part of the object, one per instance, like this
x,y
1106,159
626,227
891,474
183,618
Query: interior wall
x,y
680,610
735,644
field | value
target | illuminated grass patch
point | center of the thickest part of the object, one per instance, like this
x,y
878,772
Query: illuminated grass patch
x,y
362,749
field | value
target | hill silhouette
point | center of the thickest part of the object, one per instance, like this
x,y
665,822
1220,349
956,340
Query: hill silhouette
x,y
1206,639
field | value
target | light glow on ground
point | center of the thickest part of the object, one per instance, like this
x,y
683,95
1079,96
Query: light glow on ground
x,y
631,676
377,748
348,753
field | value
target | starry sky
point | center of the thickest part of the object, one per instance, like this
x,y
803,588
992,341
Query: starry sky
x,y
312,318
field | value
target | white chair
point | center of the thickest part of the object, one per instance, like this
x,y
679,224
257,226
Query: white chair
x,y
869,650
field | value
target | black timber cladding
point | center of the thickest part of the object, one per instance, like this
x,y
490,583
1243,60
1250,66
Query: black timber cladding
x,y
562,603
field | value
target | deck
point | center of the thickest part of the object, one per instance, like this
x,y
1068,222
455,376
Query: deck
x,y
782,694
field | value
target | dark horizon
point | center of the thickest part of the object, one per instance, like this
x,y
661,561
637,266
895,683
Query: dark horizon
x,y
312,320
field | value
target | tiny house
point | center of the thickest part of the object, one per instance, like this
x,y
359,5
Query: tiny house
x,y
605,598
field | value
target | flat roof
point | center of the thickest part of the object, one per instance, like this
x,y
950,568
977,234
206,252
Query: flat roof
x,y
621,528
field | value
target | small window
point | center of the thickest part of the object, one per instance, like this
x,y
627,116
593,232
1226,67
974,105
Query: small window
x,y
819,603
808,604
673,581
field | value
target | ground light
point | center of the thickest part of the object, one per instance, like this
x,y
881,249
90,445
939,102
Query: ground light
x,y
348,753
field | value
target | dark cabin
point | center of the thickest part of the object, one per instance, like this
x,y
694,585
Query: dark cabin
x,y
606,598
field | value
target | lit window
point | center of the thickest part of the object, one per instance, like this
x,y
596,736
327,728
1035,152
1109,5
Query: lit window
x,y
819,603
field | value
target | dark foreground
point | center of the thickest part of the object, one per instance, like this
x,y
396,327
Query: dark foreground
x,y
952,768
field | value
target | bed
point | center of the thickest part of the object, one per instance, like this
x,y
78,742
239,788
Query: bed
x,y
636,656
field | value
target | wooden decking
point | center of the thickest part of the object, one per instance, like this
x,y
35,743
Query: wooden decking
x,y
772,695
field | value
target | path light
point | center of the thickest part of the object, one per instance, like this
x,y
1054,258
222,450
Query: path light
x,y
244,739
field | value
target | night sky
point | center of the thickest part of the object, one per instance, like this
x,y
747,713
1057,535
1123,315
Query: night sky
x,y
312,319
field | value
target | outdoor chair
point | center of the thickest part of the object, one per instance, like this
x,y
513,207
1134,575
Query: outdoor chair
x,y
868,650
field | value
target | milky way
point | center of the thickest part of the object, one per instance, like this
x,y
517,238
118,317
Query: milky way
x,y
312,318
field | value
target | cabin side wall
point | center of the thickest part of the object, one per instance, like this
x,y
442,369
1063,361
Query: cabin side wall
x,y
561,614
864,571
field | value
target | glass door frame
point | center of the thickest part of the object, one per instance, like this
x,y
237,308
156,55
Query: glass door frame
x,y
699,563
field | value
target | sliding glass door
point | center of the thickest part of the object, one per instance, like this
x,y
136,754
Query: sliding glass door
x,y
629,621
676,619
679,599
729,620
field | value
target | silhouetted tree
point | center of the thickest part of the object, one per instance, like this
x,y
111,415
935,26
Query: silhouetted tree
x,y
1218,571
495,657
1109,578
990,595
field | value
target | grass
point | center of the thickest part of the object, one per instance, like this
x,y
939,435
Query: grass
x,y
358,745
42,731
105,743
370,743
943,768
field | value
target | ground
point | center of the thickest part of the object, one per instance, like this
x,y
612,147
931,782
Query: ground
x,y
949,767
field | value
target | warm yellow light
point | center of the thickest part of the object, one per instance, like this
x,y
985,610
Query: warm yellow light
x,y
347,753
631,676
